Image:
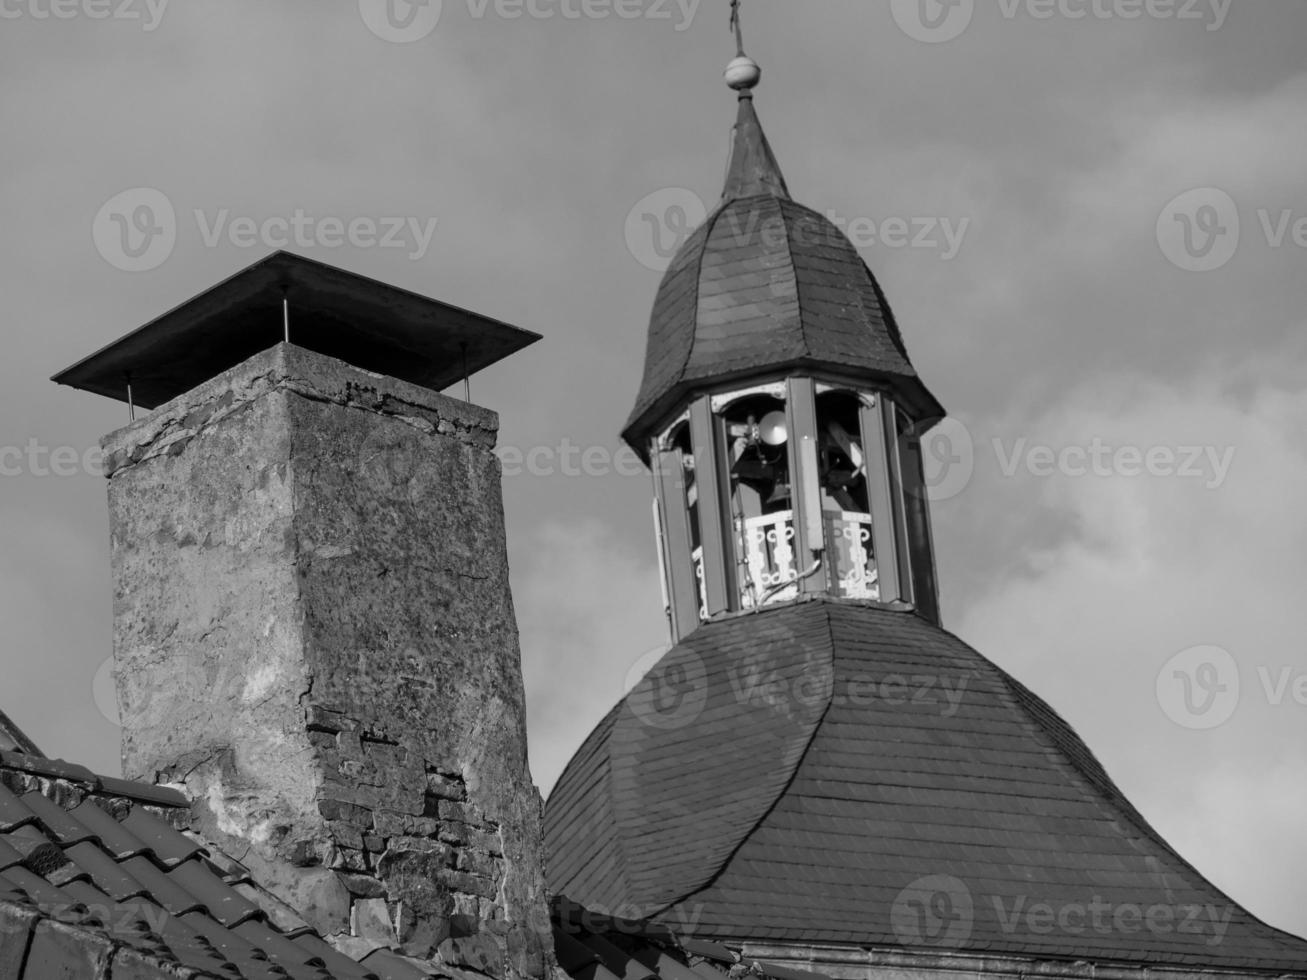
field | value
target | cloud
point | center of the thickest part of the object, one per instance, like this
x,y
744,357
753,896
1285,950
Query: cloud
x,y
1139,568
588,608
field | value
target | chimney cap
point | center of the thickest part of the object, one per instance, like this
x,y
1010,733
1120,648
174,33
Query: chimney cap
x,y
364,322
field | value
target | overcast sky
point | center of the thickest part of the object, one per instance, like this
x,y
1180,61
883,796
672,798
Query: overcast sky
x,y
1123,359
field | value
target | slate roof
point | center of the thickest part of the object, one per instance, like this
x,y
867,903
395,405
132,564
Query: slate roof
x,y
763,779
766,285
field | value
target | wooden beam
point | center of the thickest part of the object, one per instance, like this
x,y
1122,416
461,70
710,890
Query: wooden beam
x,y
716,528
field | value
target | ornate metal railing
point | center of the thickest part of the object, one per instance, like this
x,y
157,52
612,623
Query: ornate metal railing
x,y
701,591
768,558
852,562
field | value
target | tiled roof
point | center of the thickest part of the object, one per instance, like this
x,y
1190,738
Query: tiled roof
x,y
97,880
95,874
765,284
12,738
830,771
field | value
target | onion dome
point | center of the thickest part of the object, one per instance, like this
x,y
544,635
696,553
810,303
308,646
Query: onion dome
x,y
766,286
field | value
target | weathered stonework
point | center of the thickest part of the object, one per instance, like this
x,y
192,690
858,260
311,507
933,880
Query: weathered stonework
x,y
315,640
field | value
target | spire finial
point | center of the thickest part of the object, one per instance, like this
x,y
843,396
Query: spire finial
x,y
742,74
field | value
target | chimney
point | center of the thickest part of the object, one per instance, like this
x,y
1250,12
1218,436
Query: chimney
x,y
313,630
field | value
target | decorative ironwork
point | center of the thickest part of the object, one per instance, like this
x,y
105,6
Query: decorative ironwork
x,y
848,538
769,557
697,556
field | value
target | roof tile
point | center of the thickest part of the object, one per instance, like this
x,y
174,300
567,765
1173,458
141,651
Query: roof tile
x,y
169,845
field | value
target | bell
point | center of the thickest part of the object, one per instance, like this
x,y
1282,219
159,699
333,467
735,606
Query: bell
x,y
774,429
752,469
780,495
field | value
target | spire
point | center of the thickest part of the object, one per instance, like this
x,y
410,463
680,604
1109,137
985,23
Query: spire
x,y
753,169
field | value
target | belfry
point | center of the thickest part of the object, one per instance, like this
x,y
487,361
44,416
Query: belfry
x,y
779,409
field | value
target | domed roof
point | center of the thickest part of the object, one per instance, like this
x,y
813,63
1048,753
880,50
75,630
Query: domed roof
x,y
829,772
765,285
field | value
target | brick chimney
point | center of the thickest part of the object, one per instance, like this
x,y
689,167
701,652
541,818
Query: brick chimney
x,y
313,629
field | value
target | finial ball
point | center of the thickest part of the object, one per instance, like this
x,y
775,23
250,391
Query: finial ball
x,y
743,74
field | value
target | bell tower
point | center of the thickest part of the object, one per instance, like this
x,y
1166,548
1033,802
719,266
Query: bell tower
x,y
779,412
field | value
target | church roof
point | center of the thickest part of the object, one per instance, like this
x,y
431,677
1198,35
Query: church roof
x,y
766,284
827,772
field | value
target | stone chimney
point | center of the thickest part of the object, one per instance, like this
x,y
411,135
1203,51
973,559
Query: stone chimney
x,y
313,629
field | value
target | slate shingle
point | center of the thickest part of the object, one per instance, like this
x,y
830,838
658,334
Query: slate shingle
x,y
891,785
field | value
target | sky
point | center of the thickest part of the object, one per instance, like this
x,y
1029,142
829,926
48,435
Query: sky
x,y
1089,216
